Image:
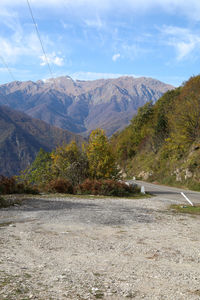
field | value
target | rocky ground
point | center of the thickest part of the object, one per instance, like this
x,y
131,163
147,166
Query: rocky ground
x,y
104,248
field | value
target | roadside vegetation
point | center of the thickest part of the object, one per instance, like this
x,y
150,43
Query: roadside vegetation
x,y
194,210
162,142
7,202
12,186
68,169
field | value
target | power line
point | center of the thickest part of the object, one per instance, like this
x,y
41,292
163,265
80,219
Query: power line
x,y
40,40
7,67
11,75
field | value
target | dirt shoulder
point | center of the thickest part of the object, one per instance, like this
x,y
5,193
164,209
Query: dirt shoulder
x,y
73,248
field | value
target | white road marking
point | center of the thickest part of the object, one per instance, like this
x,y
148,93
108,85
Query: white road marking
x,y
187,198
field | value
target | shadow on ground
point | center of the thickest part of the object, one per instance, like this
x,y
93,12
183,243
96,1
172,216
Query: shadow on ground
x,y
109,213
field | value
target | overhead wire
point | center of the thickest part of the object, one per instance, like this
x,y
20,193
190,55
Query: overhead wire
x,y
11,75
7,67
40,40
42,46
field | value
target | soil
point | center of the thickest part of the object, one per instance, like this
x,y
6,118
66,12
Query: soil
x,y
58,247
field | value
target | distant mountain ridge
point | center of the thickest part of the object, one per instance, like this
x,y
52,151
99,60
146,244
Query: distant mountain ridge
x,y
21,137
81,106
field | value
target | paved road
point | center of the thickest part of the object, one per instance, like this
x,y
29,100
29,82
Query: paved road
x,y
170,193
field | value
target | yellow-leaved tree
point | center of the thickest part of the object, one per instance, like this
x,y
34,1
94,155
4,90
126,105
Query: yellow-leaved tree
x,y
102,162
69,162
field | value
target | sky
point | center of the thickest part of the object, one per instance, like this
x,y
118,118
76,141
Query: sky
x,y
92,39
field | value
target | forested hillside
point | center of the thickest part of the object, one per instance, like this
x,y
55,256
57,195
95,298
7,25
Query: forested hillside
x,y
162,143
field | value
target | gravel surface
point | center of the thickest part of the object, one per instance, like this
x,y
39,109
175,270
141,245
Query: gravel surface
x,y
104,248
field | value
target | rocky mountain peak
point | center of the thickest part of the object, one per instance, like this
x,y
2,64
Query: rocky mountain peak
x,y
81,106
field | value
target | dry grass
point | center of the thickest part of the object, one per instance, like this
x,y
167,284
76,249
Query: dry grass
x,y
194,210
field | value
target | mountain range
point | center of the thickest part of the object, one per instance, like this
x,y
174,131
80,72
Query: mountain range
x,y
21,137
81,106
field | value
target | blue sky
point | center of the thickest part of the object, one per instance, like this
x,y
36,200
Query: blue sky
x,y
90,39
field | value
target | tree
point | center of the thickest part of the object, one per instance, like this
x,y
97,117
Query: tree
x,y
40,170
127,142
70,162
186,120
102,163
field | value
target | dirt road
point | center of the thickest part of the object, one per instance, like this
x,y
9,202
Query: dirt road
x,y
73,248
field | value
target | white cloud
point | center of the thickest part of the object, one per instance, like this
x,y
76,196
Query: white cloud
x,y
10,19
182,40
3,70
19,41
52,59
93,76
19,45
132,51
94,22
15,42
116,57
184,49
190,8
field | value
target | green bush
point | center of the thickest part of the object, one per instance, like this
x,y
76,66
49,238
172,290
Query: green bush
x,y
105,187
193,185
59,185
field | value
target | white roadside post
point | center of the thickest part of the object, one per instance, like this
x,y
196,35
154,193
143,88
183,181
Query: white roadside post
x,y
188,200
142,189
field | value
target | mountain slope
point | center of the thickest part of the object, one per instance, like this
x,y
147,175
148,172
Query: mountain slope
x,y
162,142
21,137
81,106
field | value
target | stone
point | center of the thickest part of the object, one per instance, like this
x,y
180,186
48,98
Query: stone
x,y
145,175
188,174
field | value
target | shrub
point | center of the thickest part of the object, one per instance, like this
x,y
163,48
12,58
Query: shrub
x,y
7,185
11,186
6,202
3,202
26,188
59,186
105,187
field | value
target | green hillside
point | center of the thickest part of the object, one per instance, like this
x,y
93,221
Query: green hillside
x,y
162,143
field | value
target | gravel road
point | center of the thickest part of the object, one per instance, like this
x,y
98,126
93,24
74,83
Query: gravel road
x,y
104,248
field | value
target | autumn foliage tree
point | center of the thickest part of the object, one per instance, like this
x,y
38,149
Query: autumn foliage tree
x,y
101,158
69,162
68,165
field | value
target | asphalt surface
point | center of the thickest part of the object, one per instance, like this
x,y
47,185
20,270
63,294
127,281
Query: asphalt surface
x,y
167,193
